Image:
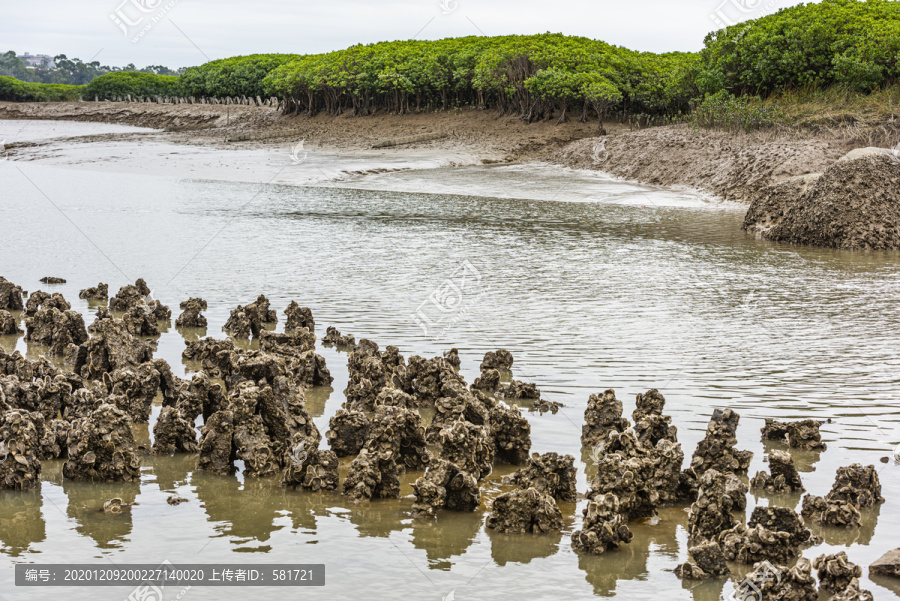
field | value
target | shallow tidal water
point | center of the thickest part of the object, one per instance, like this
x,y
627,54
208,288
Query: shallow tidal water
x,y
591,282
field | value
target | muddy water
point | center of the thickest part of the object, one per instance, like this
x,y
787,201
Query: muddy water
x,y
592,283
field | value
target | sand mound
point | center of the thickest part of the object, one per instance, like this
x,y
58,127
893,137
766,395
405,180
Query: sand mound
x,y
853,205
734,167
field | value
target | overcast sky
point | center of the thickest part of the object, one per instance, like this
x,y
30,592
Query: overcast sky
x,y
181,33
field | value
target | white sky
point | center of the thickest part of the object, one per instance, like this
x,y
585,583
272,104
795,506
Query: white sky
x,y
222,28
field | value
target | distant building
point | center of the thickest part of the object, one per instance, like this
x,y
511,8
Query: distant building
x,y
43,61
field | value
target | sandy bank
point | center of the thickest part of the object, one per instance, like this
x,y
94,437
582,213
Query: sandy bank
x,y
733,167
481,134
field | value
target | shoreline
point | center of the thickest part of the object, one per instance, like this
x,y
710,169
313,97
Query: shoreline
x,y
731,167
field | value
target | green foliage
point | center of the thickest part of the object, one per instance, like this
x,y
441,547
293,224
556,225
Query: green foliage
x,y
851,43
531,76
724,111
13,66
67,71
15,90
135,83
237,76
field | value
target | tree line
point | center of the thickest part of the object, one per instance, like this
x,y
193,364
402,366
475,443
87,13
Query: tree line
x,y
854,44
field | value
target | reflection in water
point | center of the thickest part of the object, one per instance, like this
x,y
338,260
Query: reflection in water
x,y
630,561
804,460
713,589
448,535
522,548
171,472
608,289
191,334
244,511
86,500
851,536
9,341
892,584
316,398
142,441
21,523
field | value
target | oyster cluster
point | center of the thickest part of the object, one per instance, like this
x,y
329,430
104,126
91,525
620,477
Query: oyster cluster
x,y
605,528
709,561
347,432
549,473
251,319
716,451
525,510
836,573
191,316
8,323
719,495
803,434
642,477
855,487
602,416
56,328
20,452
500,359
772,534
769,582
308,467
98,293
100,447
334,338
11,296
650,424
782,476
